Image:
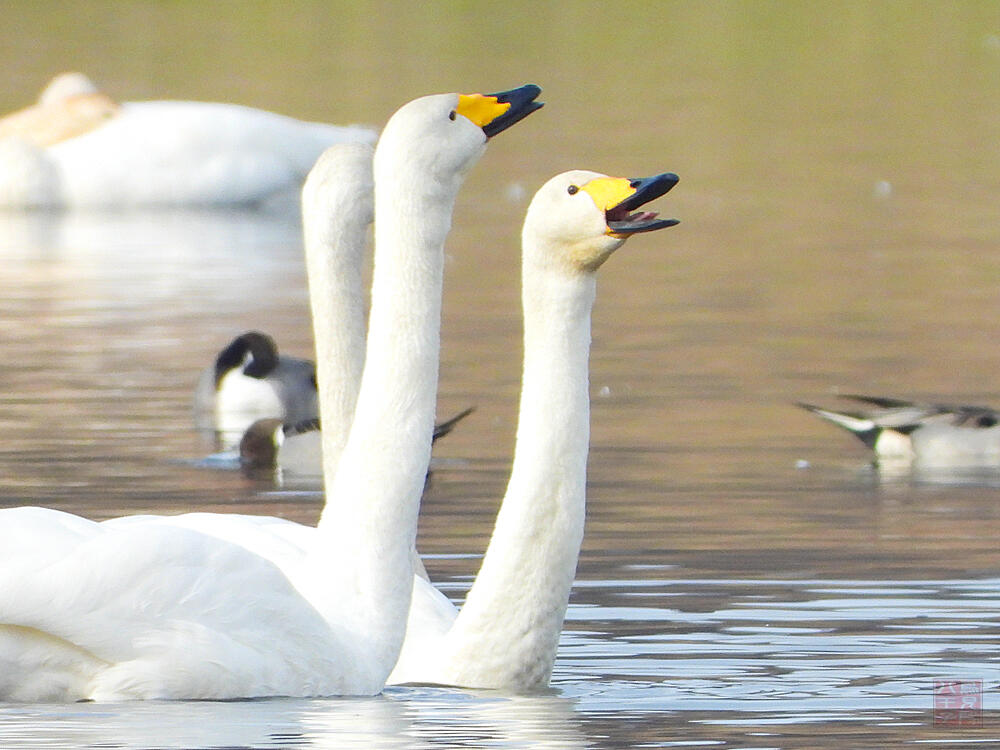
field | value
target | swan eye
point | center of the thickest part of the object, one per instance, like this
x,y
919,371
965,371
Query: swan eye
x,y
572,190
452,115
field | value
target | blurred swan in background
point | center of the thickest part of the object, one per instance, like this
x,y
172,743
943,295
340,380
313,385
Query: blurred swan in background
x,y
225,606
77,147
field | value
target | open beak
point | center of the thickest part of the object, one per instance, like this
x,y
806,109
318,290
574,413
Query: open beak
x,y
494,113
621,220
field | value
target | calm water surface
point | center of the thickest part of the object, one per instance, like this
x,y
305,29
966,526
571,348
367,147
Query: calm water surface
x,y
747,580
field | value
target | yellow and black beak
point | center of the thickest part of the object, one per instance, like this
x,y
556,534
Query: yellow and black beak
x,y
641,191
494,113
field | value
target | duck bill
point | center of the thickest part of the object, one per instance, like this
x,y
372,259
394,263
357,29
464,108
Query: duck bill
x,y
622,222
494,113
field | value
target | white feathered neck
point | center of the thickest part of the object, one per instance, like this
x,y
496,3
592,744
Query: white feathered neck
x,y
337,207
507,631
370,519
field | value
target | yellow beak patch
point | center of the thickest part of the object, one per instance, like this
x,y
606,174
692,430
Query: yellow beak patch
x,y
608,192
482,110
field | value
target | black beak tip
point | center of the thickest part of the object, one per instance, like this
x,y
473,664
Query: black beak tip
x,y
525,93
662,182
649,188
522,103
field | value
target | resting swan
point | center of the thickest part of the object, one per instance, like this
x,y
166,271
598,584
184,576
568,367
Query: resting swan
x,y
79,148
505,635
219,606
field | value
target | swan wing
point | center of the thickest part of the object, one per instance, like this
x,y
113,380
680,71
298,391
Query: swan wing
x,y
156,610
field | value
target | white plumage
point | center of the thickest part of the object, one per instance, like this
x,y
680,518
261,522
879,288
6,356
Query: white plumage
x,y
507,633
154,153
228,606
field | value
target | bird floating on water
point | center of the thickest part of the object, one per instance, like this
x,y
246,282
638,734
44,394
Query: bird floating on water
x,y
79,148
930,434
224,606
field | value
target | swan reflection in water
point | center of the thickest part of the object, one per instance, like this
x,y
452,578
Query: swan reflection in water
x,y
411,718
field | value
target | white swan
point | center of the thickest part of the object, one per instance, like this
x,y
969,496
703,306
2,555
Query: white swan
x,y
337,207
438,649
505,635
932,435
78,148
227,606
250,380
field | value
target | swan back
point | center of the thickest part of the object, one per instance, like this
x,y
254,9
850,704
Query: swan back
x,y
98,152
184,153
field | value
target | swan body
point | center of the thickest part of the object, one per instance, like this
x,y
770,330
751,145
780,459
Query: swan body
x,y
929,434
505,635
77,148
135,611
250,380
227,606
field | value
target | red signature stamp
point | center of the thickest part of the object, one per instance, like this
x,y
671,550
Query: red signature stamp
x,y
958,703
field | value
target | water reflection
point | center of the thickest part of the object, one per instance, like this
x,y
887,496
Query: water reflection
x,y
779,646
402,718
117,244
740,654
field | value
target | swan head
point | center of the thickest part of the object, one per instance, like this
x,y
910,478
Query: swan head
x,y
340,184
66,86
444,135
578,218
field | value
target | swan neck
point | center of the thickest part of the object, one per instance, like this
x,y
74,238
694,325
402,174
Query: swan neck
x,y
373,497
519,598
334,249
